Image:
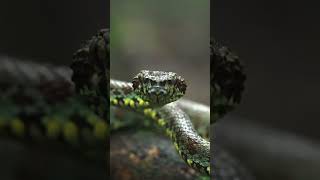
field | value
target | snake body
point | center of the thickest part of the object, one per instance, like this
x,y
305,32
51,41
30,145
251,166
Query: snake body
x,y
47,110
194,150
81,126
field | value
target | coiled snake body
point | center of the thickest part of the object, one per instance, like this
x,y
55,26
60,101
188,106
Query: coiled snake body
x,y
150,93
159,88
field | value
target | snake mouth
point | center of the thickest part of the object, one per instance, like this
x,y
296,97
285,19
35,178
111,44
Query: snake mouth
x,y
155,98
157,94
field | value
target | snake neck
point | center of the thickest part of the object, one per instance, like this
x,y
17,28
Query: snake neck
x,y
194,149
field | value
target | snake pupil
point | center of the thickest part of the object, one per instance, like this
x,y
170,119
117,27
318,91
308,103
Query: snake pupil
x,y
135,83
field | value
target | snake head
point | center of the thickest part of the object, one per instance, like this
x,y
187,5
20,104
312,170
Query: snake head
x,y
158,87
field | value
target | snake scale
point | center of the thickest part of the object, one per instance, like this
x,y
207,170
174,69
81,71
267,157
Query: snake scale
x,y
83,122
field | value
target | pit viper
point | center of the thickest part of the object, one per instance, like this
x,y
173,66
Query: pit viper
x,y
151,93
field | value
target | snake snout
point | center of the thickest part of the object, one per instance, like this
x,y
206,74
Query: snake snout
x,y
157,95
157,91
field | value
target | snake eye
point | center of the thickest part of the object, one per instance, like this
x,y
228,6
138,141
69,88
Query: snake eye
x,y
135,83
182,85
145,80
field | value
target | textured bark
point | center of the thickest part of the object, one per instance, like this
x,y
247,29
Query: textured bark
x,y
21,161
143,154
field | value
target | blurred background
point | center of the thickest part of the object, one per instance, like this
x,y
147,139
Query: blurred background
x,y
157,35
47,32
275,130
162,35
276,40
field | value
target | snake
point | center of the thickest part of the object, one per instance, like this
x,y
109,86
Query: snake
x,y
153,89
83,122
